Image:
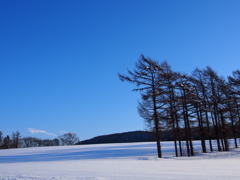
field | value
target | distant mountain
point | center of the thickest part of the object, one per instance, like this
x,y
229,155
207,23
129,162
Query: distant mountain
x,y
136,136
133,136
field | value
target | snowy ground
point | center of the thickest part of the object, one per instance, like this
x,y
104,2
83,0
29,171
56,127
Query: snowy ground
x,y
134,161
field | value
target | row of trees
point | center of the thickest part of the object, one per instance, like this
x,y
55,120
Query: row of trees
x,y
202,101
16,141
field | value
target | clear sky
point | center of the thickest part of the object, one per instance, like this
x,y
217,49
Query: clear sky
x,y
59,59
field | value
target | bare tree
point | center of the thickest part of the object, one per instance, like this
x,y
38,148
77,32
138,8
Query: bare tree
x,y
28,142
32,142
68,139
145,77
203,104
47,142
168,79
56,142
1,139
234,83
16,140
7,142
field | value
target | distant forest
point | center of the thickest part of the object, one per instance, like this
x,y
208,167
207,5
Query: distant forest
x,y
17,141
201,104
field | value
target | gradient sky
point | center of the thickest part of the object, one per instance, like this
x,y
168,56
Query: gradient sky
x,y
59,59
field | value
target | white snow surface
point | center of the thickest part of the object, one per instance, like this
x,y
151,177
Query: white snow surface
x,y
133,161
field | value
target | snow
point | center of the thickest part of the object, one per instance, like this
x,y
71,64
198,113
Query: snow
x,y
134,161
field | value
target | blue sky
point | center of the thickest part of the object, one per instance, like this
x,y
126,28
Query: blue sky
x,y
59,59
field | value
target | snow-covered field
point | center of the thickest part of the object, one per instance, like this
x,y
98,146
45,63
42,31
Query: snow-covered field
x,y
134,161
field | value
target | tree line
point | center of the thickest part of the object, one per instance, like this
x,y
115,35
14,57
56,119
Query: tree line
x,y
17,141
202,101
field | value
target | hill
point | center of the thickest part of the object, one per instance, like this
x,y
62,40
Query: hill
x,y
133,136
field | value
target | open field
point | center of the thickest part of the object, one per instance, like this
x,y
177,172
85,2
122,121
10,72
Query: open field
x,y
116,161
